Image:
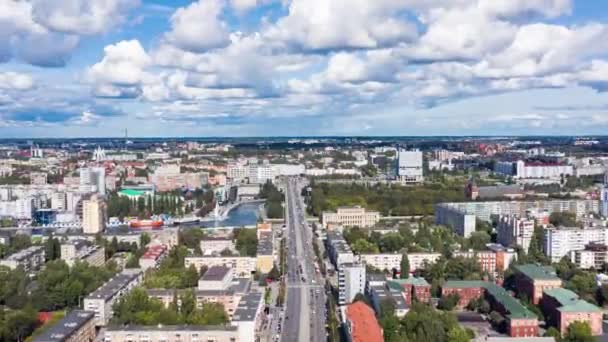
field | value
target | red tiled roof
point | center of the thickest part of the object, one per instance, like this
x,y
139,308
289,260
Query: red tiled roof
x,y
365,327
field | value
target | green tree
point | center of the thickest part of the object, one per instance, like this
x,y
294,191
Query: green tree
x,y
553,332
404,266
457,334
363,246
579,332
449,302
144,239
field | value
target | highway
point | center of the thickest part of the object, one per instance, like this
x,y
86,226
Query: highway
x,y
304,317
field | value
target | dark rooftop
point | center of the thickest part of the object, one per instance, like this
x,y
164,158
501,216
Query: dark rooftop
x,y
66,327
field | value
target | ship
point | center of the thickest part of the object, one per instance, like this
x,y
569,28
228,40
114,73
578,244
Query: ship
x,y
145,224
187,220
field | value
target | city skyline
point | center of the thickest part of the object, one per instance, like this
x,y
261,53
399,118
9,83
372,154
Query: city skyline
x,y
252,68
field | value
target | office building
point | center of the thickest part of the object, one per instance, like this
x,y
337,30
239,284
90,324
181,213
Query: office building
x,y
83,251
350,217
31,259
351,280
76,326
515,231
361,324
562,307
92,216
171,333
559,242
101,300
409,166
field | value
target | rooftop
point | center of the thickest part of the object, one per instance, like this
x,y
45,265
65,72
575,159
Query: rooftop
x,y
113,286
215,273
131,192
248,307
570,301
512,305
537,272
172,328
415,281
25,253
364,326
67,326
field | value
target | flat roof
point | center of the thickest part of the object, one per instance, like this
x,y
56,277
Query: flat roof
x,y
113,286
570,301
537,272
25,253
265,246
227,328
66,327
215,273
415,281
248,307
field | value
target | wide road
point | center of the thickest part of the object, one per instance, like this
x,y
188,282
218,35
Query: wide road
x,y
304,318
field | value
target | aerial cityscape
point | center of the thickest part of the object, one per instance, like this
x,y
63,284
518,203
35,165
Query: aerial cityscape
x,y
303,170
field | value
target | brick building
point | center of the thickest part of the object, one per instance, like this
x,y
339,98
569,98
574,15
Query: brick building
x,y
415,287
533,279
562,307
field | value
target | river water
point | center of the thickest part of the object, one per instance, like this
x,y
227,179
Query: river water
x,y
246,214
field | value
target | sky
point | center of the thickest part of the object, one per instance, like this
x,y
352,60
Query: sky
x,y
95,68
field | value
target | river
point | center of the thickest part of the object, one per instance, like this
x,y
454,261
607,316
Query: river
x,y
245,214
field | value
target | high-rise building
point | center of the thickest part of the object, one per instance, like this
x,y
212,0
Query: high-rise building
x,y
94,176
409,166
92,216
351,280
515,231
604,197
59,201
561,241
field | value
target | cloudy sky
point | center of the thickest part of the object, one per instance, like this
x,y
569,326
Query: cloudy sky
x,y
72,68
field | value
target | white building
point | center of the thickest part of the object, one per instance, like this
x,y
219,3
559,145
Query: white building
x,y
390,261
522,169
101,300
92,216
338,250
94,176
247,317
260,173
216,278
351,217
21,209
351,280
170,333
515,231
409,166
31,259
561,241
242,266
84,251
59,201
213,244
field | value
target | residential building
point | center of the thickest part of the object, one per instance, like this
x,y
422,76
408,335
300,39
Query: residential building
x,y
83,251
59,201
594,255
216,278
533,280
379,293
243,266
338,250
265,252
415,287
20,209
101,300
563,307
171,333
525,169
351,217
31,259
76,326
559,242
361,324
92,216
94,176
351,280
515,231
247,316
216,244
496,259
38,178
521,322
409,166
153,256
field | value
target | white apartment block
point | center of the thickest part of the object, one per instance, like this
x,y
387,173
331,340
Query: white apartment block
x,y
260,173
101,300
31,259
168,333
94,176
593,256
92,216
515,231
21,209
338,250
390,261
351,217
59,201
242,266
210,244
522,169
351,280
409,166
561,241
83,251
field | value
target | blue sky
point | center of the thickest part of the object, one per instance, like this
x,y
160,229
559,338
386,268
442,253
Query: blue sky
x,y
73,68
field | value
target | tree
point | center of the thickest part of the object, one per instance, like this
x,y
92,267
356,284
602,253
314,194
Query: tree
x,y
363,246
457,334
404,266
52,249
553,332
449,302
144,239
579,332
191,277
274,273
478,240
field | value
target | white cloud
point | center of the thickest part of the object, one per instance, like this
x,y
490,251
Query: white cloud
x,y
82,17
16,81
198,27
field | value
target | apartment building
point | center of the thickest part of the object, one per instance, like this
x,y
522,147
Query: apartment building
x,y
409,167
265,251
152,257
559,242
247,316
361,324
76,326
83,251
31,259
216,244
351,280
513,230
92,216
494,260
563,307
414,287
101,300
351,217
528,169
594,255
338,250
379,293
216,278
171,333
533,280
243,266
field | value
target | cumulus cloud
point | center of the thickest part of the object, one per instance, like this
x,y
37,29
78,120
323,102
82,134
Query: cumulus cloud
x,y
16,81
198,27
